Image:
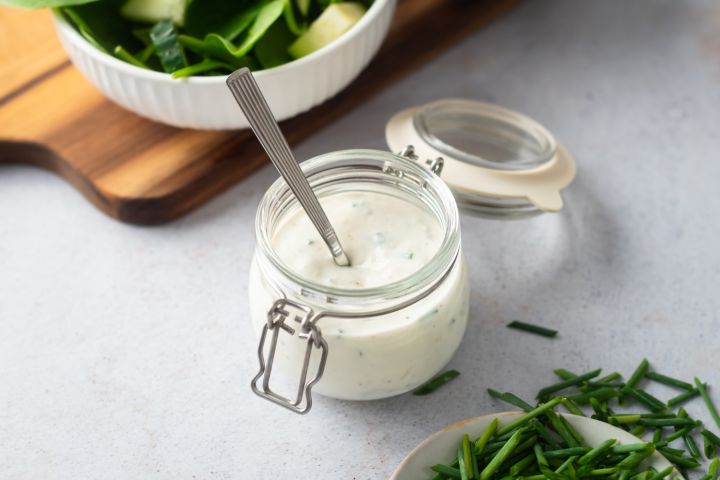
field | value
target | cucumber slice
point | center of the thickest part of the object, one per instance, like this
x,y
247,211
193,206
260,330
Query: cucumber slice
x,y
152,11
333,22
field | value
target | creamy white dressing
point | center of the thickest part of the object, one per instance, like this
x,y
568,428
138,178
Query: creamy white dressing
x,y
387,239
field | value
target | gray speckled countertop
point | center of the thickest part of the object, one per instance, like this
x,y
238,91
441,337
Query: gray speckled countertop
x,y
126,352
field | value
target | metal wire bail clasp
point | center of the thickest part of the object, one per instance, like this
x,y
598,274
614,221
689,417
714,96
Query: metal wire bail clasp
x,y
435,165
296,320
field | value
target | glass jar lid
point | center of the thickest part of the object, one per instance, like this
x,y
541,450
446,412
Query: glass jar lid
x,y
496,161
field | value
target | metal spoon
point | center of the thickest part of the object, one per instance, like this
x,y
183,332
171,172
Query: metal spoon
x,y
245,89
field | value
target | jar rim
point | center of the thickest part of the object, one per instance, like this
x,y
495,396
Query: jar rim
x,y
428,275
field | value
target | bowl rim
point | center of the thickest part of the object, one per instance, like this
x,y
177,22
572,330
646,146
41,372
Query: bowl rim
x,y
656,456
64,28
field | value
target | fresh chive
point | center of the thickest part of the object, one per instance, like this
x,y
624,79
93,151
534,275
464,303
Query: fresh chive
x,y
659,415
527,444
436,382
678,434
504,452
561,429
539,410
600,394
683,397
680,461
625,419
596,452
468,456
447,471
605,384
462,465
567,452
510,398
638,430
691,446
630,447
666,422
673,382
567,383
645,398
597,407
528,327
565,464
711,436
702,388
657,435
713,469
610,377
671,451
572,407
634,459
564,374
482,442
708,447
602,471
540,456
521,465
662,474
576,435
638,374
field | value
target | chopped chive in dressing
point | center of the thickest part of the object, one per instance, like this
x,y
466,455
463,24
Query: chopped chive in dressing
x,y
429,315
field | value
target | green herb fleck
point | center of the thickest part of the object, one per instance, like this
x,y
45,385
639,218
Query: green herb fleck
x,y
527,327
436,382
702,388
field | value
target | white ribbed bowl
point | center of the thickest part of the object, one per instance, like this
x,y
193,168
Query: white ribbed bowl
x,y
206,102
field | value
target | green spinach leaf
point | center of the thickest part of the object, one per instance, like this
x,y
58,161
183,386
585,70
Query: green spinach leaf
x,y
203,49
227,19
271,50
101,25
267,15
292,23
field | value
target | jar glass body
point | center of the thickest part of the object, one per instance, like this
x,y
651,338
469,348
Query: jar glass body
x,y
382,341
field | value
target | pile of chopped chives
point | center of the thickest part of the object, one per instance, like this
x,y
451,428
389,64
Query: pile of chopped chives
x,y
543,445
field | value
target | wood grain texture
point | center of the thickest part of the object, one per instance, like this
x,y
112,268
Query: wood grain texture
x,y
142,172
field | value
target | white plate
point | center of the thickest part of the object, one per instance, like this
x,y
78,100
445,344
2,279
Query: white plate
x,y
441,447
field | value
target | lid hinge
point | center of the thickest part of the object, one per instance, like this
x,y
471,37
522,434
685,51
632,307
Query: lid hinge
x,y
434,166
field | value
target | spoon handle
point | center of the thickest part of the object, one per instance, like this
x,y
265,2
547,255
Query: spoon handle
x,y
245,89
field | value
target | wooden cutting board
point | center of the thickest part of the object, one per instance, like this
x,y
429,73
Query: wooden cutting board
x,y
142,172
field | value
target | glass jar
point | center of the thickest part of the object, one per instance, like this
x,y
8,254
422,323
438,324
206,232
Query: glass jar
x,y
357,344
